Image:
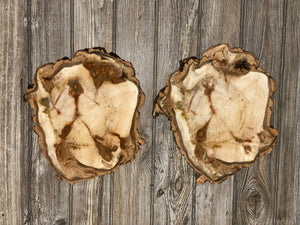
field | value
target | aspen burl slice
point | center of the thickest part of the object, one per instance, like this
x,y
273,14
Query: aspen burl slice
x,y
219,107
86,112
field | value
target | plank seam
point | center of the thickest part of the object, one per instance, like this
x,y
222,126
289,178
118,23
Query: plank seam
x,y
29,141
193,219
242,21
200,7
114,47
71,55
156,16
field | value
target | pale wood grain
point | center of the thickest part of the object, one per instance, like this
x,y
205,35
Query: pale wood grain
x,y
93,27
174,181
50,40
135,43
219,23
14,118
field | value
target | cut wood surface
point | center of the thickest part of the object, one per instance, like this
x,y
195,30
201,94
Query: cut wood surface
x,y
219,110
159,186
86,113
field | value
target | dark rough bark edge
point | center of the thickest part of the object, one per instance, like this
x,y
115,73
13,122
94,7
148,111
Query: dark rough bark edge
x,y
169,112
66,62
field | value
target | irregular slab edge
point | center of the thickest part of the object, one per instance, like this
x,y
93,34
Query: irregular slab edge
x,y
164,96
66,62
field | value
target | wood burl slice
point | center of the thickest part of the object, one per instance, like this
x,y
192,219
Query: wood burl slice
x,y
219,109
86,112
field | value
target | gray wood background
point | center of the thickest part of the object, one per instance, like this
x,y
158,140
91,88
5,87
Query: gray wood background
x,y
158,187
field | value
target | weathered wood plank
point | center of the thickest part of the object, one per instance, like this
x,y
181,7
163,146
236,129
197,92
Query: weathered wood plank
x,y
93,24
287,207
297,157
135,43
14,119
91,200
255,188
219,23
174,181
50,32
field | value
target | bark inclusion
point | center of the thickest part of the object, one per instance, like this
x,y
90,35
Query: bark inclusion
x,y
86,112
219,109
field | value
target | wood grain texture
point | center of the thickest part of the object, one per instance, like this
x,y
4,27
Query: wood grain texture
x,y
93,27
158,187
135,43
296,217
14,120
174,182
50,40
286,210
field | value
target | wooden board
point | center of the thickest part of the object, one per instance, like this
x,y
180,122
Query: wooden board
x,y
158,187
134,41
174,183
14,114
49,25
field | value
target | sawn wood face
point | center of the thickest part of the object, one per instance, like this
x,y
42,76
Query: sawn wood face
x,y
86,112
219,109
